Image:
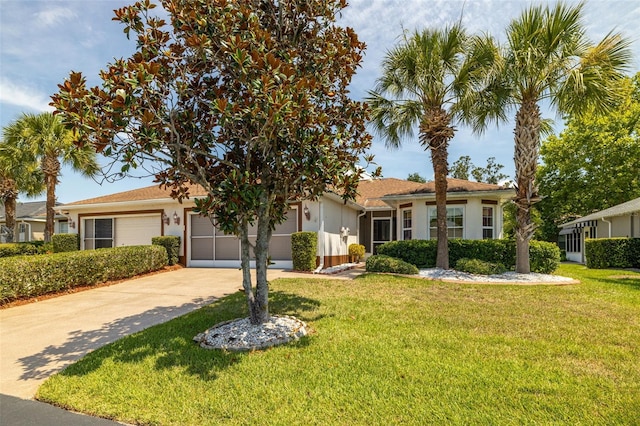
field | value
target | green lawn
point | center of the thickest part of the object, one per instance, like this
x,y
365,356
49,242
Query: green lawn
x,y
386,350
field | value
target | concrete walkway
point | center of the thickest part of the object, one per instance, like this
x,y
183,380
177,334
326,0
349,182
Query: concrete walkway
x,y
40,339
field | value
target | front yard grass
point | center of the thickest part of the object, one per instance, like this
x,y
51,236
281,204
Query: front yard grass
x,y
386,350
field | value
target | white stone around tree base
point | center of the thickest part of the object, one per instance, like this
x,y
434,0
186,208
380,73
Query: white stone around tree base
x,y
241,335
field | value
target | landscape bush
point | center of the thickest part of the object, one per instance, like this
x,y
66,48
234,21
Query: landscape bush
x,y
356,252
65,242
544,257
29,276
304,246
612,253
382,263
480,267
21,249
172,244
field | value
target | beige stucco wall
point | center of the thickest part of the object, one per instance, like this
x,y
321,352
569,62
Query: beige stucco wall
x,y
130,210
331,216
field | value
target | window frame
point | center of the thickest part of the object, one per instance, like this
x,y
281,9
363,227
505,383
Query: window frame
x,y
493,222
432,213
93,237
407,228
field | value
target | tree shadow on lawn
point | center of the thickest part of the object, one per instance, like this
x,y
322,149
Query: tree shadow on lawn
x,y
628,281
170,344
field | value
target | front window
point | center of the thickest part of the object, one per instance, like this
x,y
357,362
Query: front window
x,y
455,223
98,233
63,227
574,242
487,223
406,224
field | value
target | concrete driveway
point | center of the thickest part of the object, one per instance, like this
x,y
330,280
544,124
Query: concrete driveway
x,y
40,339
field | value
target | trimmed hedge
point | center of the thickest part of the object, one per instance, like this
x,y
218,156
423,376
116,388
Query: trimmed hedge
x,y
481,267
172,244
21,249
29,276
382,263
544,256
65,242
304,246
612,253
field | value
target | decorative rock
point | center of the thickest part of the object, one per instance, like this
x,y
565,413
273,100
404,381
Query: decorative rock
x,y
241,335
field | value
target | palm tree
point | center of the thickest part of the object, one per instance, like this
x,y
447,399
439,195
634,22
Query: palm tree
x,y
18,174
548,57
51,144
431,80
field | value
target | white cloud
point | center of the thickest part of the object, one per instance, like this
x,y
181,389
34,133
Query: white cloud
x,y
23,96
54,16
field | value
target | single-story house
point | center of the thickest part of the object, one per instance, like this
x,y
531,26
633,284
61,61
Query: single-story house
x,y
134,217
30,221
622,220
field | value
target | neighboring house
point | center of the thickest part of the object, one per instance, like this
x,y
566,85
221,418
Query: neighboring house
x,y
622,220
30,221
134,217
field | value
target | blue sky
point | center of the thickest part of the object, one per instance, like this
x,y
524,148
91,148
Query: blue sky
x,y
42,40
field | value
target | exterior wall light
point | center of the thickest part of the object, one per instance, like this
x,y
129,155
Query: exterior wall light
x,y
176,218
165,218
306,212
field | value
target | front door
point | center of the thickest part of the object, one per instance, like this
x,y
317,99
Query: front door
x,y
381,232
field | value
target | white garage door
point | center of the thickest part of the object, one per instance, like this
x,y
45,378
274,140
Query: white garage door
x,y
137,230
210,247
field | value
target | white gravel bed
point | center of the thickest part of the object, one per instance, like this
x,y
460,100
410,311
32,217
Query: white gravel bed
x,y
241,335
507,277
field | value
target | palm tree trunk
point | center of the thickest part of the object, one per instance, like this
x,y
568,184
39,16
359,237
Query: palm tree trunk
x,y
435,134
440,168
51,169
9,197
527,139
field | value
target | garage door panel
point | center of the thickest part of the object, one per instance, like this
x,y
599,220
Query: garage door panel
x,y
202,248
280,248
227,248
139,230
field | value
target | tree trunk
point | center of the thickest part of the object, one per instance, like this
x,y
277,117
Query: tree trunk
x,y
261,310
51,169
435,134
9,196
527,145
440,166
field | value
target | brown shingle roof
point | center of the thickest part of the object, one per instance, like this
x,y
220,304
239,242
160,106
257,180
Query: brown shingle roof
x,y
148,193
370,191
453,185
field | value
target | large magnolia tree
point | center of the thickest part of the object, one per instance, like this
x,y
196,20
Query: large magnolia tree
x,y
247,99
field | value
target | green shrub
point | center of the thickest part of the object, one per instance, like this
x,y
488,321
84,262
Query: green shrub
x,y
18,249
304,246
172,244
356,252
65,242
634,252
544,257
612,253
421,253
29,276
382,263
480,267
